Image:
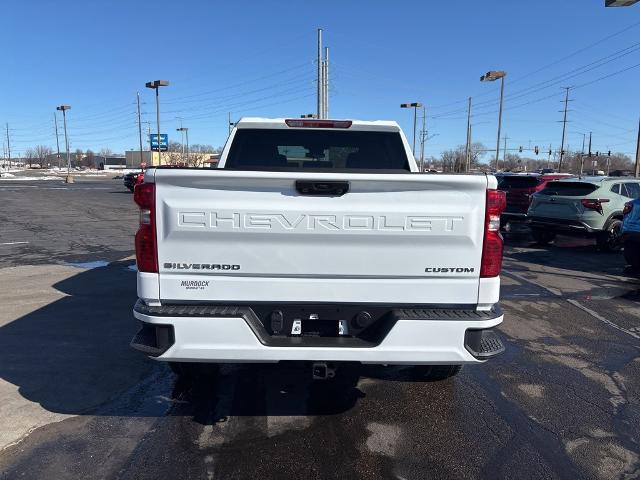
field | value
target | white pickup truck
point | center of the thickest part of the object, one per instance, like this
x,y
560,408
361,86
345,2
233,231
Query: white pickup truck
x,y
318,241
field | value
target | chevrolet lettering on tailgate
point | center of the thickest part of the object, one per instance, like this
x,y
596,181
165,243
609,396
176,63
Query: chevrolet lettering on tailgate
x,y
234,221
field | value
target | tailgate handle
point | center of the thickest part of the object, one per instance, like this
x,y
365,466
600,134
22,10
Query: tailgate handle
x,y
321,188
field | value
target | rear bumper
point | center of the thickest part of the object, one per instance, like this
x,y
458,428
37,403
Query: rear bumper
x,y
229,334
563,225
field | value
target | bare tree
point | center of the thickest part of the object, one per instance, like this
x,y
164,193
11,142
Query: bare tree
x,y
89,159
173,155
198,154
78,157
512,162
454,160
105,152
41,154
29,157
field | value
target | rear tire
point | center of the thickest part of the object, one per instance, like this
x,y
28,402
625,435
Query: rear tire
x,y
436,373
609,240
542,237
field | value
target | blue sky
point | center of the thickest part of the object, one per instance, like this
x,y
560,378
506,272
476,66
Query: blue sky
x,y
257,58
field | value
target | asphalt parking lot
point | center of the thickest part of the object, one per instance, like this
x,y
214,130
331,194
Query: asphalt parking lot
x,y
77,402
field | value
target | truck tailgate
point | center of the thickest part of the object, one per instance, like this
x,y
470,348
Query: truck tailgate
x,y
239,236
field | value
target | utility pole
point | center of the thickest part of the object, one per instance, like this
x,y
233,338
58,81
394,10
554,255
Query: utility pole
x,y
590,144
320,79
184,131
55,121
584,136
181,130
325,101
504,154
468,147
139,128
149,137
638,153
564,128
8,146
423,137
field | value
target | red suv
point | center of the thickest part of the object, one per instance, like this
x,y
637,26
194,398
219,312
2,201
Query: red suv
x,y
518,189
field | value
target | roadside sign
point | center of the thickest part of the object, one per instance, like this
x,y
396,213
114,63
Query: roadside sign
x,y
164,142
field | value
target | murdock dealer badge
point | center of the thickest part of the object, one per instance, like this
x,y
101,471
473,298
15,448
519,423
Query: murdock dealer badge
x,y
194,284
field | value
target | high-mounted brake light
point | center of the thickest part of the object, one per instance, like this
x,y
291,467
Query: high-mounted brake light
x,y
318,123
144,194
492,246
627,208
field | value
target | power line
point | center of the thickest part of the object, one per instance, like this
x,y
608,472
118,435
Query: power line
x,y
556,62
577,52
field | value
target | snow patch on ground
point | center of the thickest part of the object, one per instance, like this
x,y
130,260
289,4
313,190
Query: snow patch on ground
x,y
14,178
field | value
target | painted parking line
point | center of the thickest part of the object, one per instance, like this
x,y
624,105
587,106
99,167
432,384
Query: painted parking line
x,y
13,243
597,316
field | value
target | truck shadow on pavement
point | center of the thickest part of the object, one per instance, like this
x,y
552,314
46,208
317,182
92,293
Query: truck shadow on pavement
x,y
285,390
72,356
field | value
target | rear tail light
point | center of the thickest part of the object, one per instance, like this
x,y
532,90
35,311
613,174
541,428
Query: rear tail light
x,y
144,195
594,204
627,208
492,246
318,123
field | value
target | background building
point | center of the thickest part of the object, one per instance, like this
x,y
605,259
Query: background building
x,y
154,159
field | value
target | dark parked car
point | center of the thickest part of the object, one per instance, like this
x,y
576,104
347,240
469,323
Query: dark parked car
x,y
132,179
518,189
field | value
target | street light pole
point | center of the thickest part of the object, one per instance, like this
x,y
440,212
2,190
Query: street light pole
x,y
139,128
500,119
55,122
156,84
415,107
492,76
63,109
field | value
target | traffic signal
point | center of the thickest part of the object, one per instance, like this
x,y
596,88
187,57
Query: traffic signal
x,y
597,154
520,149
536,149
609,153
549,152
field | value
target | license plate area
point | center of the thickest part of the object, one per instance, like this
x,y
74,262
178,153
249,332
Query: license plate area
x,y
320,328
